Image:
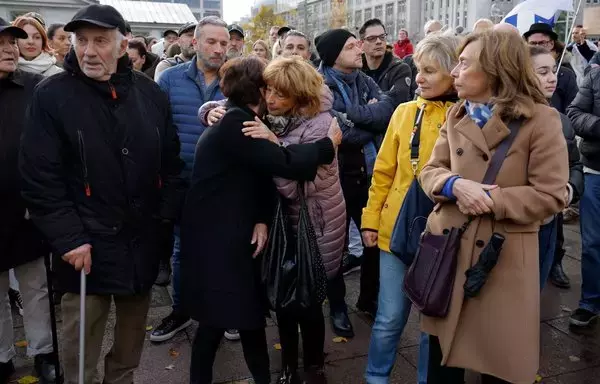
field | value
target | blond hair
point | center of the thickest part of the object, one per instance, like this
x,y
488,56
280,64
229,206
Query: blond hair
x,y
295,77
482,25
263,44
506,62
439,47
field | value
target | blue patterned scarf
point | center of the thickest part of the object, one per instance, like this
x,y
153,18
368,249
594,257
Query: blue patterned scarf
x,y
479,113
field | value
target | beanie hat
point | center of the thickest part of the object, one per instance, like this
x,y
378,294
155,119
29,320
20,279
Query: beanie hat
x,y
330,44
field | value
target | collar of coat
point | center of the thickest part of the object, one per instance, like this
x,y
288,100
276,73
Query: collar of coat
x,y
115,88
16,78
486,138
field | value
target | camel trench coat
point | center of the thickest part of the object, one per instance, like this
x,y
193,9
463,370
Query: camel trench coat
x,y
497,333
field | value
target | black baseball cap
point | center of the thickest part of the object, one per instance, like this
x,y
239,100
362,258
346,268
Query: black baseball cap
x,y
283,30
6,27
235,28
186,27
103,16
166,32
544,28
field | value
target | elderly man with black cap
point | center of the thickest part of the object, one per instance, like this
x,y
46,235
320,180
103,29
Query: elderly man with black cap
x,y
21,245
100,172
364,112
236,41
186,35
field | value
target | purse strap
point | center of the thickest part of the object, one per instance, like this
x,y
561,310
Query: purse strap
x,y
496,163
500,154
415,140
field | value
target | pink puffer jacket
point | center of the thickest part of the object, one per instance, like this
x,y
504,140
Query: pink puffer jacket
x,y
324,196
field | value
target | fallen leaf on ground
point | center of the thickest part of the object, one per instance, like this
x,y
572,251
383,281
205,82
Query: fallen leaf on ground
x,y
28,380
565,308
149,328
340,340
169,367
574,359
277,346
22,343
173,353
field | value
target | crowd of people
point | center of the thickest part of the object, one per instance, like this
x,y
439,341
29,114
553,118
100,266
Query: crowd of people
x,y
139,162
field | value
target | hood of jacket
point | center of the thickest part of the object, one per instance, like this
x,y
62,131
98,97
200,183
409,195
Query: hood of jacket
x,y
326,99
40,64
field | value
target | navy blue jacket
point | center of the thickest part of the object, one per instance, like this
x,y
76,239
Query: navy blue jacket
x,y
184,85
364,123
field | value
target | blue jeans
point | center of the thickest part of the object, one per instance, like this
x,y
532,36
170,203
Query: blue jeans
x,y
392,314
589,212
547,249
176,271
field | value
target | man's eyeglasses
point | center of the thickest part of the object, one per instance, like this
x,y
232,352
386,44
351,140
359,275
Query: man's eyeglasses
x,y
544,43
372,39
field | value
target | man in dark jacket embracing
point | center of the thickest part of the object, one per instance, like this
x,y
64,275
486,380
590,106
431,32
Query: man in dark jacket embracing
x,y
363,112
21,245
100,167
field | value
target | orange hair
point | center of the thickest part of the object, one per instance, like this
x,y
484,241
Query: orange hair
x,y
295,77
22,21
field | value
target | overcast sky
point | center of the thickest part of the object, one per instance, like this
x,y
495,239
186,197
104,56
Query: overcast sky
x,y
233,10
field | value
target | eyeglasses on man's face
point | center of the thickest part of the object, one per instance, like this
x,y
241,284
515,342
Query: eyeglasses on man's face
x,y
372,39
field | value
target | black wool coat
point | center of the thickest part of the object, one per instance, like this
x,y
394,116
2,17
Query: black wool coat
x,y
20,242
100,165
231,191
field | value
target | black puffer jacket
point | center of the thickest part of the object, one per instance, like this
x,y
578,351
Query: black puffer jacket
x,y
566,89
584,113
394,79
100,165
575,166
20,242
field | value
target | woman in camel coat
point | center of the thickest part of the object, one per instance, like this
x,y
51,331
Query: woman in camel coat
x,y
496,333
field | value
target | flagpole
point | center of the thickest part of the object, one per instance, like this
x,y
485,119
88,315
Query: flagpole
x,y
568,39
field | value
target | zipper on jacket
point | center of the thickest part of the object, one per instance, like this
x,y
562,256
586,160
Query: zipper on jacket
x,y
113,91
160,182
86,184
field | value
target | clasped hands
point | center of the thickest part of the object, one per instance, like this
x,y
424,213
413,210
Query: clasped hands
x,y
472,198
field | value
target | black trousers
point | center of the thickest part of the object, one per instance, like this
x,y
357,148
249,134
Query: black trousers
x,y
206,344
438,374
356,197
312,326
560,251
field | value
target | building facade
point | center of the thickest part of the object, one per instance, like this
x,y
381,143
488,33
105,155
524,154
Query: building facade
x,y
149,18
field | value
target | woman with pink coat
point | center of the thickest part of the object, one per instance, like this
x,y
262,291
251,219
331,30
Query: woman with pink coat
x,y
299,108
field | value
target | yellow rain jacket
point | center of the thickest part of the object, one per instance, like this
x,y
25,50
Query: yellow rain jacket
x,y
393,171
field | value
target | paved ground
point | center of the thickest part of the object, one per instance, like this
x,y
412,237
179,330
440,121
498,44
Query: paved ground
x,y
567,357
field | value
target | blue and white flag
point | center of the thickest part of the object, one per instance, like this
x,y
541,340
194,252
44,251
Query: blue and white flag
x,y
536,11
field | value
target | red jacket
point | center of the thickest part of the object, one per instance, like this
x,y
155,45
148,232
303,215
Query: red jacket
x,y
403,48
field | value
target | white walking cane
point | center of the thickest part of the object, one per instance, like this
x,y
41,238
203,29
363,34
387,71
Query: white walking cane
x,y
82,295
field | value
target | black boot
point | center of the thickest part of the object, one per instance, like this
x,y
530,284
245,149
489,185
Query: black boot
x,y
288,376
6,371
45,369
558,277
340,322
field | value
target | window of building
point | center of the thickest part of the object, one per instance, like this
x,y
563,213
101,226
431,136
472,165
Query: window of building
x,y
379,12
210,4
358,18
368,14
212,13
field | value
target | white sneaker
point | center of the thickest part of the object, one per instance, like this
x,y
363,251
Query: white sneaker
x,y
232,335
